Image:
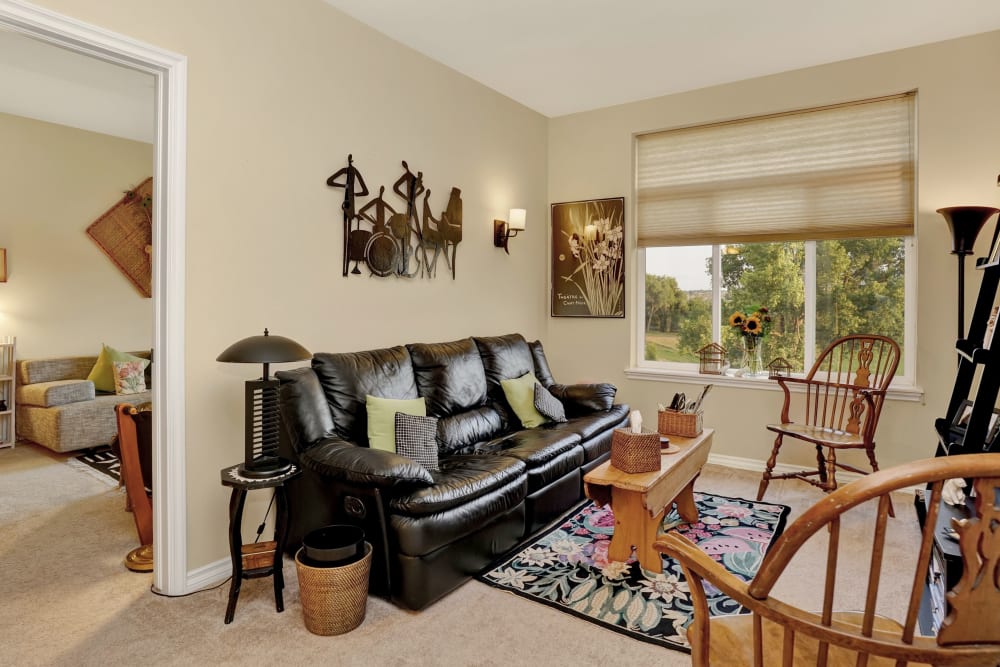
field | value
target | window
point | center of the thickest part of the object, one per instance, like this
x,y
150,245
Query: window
x,y
850,286
808,213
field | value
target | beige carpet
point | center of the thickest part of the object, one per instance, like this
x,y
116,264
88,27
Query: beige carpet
x,y
67,599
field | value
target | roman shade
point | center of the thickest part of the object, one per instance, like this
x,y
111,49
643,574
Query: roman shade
x,y
833,172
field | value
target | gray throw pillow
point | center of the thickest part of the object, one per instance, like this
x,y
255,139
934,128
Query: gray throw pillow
x,y
416,438
549,405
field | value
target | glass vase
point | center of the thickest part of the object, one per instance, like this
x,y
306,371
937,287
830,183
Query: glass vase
x,y
753,357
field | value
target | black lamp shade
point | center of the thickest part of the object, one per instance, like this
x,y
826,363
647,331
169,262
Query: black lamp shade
x,y
266,349
263,419
965,223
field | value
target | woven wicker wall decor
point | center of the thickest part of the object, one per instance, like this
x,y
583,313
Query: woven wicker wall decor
x,y
125,234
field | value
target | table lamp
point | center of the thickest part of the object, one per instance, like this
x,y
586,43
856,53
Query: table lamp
x,y
262,416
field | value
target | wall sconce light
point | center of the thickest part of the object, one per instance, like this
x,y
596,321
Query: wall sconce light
x,y
504,230
3,265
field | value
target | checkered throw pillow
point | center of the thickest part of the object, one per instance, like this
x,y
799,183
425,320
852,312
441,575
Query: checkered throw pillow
x,y
548,404
416,438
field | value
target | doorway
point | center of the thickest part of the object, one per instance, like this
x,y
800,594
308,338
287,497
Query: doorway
x,y
169,71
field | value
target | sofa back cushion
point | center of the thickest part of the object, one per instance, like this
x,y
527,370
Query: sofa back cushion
x,y
504,358
30,371
450,376
458,433
348,377
542,371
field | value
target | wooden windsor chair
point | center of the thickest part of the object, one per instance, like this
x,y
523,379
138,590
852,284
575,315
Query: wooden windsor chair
x,y
776,633
839,408
135,443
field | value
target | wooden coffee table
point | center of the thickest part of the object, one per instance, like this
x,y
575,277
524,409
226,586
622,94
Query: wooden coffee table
x,y
640,500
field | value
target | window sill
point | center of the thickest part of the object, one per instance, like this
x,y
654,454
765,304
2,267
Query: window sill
x,y
909,393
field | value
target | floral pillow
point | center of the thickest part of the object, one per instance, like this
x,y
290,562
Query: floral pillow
x,y
130,376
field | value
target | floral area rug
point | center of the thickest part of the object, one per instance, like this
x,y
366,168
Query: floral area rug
x,y
568,568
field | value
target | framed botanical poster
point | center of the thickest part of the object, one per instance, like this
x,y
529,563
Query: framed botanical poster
x,y
588,258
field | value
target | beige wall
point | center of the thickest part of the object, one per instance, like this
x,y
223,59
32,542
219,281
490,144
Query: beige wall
x,y
279,93
63,295
958,135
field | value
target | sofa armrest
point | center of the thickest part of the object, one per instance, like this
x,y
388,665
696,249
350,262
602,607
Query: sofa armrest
x,y
585,398
55,393
341,460
304,410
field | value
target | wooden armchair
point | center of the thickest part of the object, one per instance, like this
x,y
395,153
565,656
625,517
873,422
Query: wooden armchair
x,y
838,409
776,633
135,442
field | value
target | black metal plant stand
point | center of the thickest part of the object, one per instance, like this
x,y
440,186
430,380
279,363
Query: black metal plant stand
x,y
232,477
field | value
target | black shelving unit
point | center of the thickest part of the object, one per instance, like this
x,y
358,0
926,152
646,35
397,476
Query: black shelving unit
x,y
974,362
977,383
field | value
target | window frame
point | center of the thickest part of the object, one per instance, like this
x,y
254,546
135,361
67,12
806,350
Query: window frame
x,y
903,387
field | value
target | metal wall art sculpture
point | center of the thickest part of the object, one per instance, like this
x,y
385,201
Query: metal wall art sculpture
x,y
396,243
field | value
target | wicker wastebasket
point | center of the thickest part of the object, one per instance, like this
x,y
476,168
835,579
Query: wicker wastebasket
x,y
334,599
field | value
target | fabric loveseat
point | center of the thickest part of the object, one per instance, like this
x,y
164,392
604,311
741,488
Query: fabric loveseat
x,y
497,482
58,407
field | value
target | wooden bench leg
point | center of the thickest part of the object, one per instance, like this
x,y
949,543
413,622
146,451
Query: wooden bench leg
x,y
685,503
634,527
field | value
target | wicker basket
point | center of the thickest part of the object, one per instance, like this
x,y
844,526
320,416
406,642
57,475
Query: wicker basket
x,y
334,599
672,422
635,452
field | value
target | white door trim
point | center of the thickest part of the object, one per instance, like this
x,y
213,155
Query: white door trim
x,y
169,177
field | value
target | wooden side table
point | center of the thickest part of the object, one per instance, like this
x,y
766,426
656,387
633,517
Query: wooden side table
x,y
231,477
640,500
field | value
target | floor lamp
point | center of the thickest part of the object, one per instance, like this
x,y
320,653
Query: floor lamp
x,y
964,223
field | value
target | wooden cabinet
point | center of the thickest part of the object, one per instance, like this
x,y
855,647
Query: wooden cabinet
x,y
8,434
970,425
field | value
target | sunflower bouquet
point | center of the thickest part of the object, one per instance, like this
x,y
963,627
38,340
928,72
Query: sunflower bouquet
x,y
752,326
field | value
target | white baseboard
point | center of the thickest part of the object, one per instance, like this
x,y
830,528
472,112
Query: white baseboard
x,y
757,465
209,575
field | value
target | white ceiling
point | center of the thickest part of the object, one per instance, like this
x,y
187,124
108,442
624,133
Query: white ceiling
x,y
564,56
45,82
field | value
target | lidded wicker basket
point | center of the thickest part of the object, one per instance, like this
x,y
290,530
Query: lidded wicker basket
x,y
334,599
635,452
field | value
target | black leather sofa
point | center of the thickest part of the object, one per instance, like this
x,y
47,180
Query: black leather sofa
x,y
497,484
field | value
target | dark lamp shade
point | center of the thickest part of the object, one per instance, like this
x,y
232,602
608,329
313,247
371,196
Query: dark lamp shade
x,y
266,349
965,223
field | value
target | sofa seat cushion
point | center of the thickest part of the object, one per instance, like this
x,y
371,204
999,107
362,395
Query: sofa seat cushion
x,y
548,454
420,535
590,425
458,481
58,392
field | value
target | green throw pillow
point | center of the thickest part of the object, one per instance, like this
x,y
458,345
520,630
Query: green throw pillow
x,y
103,374
520,394
382,419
